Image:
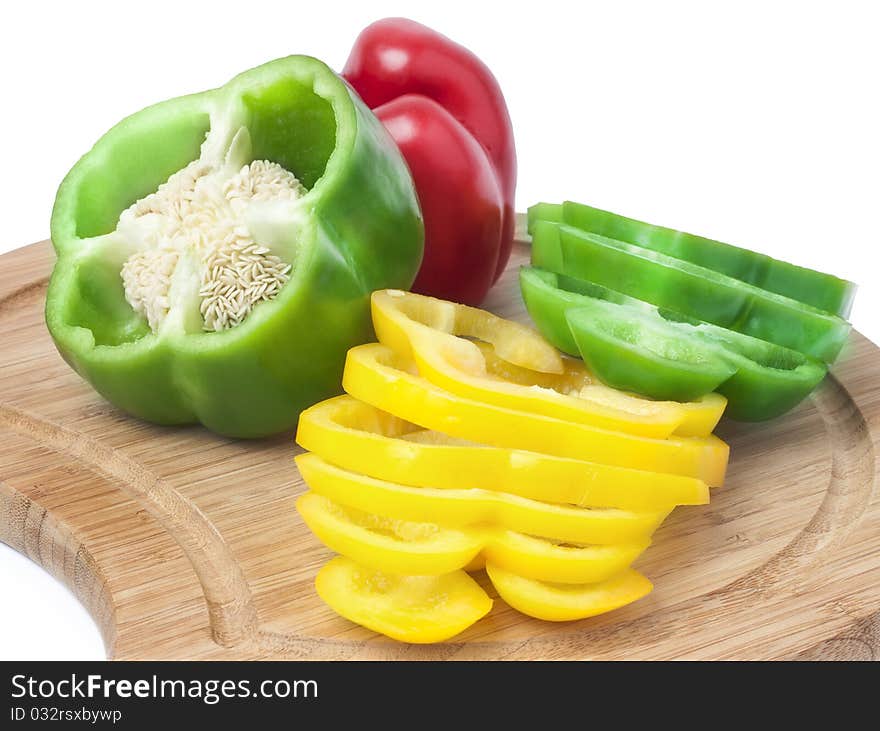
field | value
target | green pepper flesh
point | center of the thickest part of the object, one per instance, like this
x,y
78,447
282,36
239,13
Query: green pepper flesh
x,y
633,345
358,228
689,289
822,291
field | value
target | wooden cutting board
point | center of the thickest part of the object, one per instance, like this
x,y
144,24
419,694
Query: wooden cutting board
x,y
183,544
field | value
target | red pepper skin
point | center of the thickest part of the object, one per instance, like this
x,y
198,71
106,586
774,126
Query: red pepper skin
x,y
396,57
461,202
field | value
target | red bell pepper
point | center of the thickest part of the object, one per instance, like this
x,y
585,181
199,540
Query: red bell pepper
x,y
446,112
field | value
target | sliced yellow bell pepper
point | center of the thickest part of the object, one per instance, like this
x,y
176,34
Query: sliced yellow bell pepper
x,y
472,507
409,547
699,417
538,558
499,371
394,311
360,438
418,609
556,602
388,544
373,374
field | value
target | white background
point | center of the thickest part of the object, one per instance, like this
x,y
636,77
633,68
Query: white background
x,y
754,123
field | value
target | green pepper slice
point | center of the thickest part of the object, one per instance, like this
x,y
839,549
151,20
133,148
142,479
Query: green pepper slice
x,y
632,345
350,224
633,352
552,212
689,289
822,291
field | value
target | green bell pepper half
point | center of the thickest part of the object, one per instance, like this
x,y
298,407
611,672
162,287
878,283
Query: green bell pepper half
x,y
822,291
633,345
357,229
689,289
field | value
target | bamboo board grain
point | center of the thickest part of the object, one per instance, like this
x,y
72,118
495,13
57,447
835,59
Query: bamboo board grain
x,y
183,544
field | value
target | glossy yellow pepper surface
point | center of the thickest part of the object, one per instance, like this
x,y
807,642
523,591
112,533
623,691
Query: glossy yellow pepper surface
x,y
514,367
466,442
361,438
417,609
376,375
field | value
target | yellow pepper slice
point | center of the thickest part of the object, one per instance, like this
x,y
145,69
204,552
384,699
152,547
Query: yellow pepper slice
x,y
538,558
427,330
387,544
409,547
373,374
394,310
699,417
360,438
564,602
470,507
418,609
